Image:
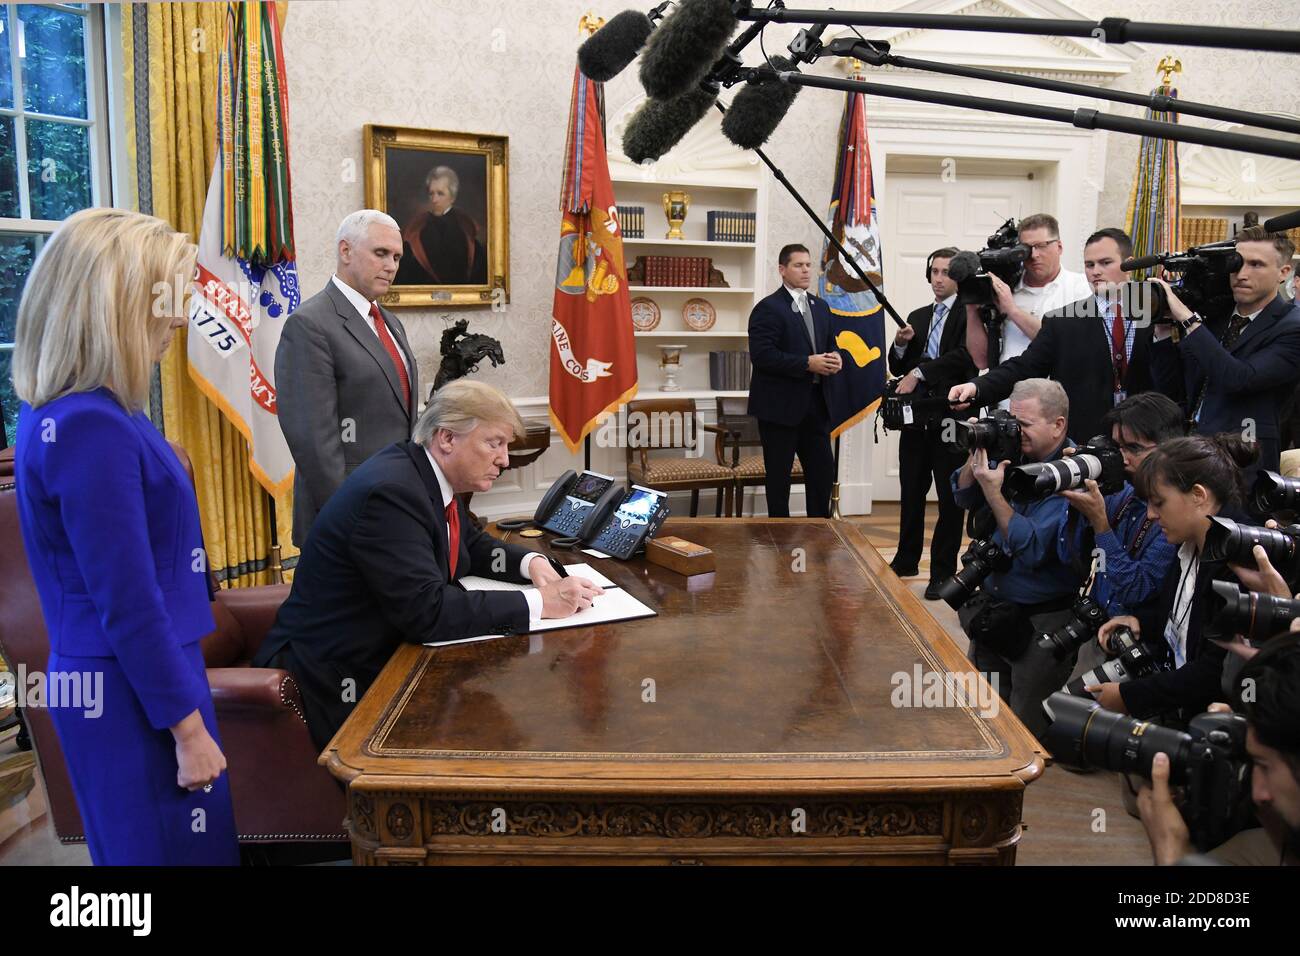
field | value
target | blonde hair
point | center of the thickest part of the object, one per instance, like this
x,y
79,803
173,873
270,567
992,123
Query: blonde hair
x,y
459,406
92,313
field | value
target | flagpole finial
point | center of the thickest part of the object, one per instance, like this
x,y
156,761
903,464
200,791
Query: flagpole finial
x,y
590,23
1167,67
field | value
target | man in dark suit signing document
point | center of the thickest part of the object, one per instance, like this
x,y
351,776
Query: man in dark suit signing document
x,y
379,563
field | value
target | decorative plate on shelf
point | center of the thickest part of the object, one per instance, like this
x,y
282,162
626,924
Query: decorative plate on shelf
x,y
645,314
699,314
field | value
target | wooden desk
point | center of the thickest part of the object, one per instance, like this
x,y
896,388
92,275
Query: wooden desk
x,y
767,736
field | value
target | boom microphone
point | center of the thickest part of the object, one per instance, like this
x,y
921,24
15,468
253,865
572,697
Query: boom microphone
x,y
608,51
657,125
1288,220
682,51
1131,265
759,108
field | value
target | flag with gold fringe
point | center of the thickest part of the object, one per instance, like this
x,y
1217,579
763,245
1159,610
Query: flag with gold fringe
x,y
1153,203
593,351
246,281
857,320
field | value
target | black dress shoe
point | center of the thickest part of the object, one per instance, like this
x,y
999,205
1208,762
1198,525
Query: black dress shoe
x,y
903,572
932,591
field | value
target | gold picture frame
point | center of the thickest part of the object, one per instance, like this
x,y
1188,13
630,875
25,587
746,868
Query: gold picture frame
x,y
450,195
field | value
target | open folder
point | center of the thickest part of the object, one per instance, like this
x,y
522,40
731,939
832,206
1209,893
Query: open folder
x,y
614,604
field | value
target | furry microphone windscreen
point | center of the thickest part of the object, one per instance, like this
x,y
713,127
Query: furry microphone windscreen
x,y
759,108
963,266
658,125
609,50
684,48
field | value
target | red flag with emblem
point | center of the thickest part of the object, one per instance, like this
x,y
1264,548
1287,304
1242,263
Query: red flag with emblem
x,y
593,351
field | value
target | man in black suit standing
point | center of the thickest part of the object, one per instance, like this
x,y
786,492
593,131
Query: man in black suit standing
x,y
1098,353
1234,373
930,353
792,353
379,562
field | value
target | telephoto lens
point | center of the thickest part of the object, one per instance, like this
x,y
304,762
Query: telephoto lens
x,y
1099,460
1251,614
1208,761
1086,618
1234,543
1272,493
981,559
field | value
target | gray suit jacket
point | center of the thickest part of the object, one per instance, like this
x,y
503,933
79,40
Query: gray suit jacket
x,y
339,397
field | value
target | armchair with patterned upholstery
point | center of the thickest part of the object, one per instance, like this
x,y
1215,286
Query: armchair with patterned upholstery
x,y
739,432
673,423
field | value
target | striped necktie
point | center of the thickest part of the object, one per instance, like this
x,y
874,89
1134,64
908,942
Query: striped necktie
x,y
936,331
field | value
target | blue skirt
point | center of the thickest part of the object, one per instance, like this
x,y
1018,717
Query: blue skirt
x,y
124,773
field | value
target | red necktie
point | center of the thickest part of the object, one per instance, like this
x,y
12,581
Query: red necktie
x,y
453,534
386,340
1118,340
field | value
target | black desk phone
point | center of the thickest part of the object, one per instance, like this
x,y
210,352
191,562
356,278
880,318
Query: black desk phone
x,y
594,508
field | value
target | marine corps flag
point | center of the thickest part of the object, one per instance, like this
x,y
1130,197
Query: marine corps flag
x,y
857,320
593,352
246,282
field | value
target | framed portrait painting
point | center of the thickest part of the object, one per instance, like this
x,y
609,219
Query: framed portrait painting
x,y
450,196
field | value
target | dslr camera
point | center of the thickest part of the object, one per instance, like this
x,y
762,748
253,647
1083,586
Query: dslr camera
x,y
1228,541
1272,494
998,434
1099,459
1086,619
1004,257
1208,761
981,559
1253,615
1133,660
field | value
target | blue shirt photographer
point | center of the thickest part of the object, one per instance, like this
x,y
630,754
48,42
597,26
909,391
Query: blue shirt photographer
x,y
1037,573
1136,561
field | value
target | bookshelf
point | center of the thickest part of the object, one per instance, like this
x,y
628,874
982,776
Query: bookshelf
x,y
716,175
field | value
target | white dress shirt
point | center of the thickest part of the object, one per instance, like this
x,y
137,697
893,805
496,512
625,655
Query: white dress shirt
x,y
947,315
363,307
1067,287
531,595
1189,563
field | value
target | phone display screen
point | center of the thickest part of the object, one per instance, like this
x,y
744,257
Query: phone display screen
x,y
589,487
638,508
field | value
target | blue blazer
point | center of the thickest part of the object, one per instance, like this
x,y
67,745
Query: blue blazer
x,y
111,527
781,387
1250,381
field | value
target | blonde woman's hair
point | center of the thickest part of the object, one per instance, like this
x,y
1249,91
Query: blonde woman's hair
x,y
460,406
97,305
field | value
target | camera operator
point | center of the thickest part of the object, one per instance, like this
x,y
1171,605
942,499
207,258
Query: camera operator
x,y
1272,712
1136,554
1185,481
930,352
1043,288
1037,591
1237,371
1090,346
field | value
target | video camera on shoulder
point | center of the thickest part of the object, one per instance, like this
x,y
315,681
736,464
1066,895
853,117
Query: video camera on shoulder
x,y
1201,277
1099,459
998,434
1208,761
1004,257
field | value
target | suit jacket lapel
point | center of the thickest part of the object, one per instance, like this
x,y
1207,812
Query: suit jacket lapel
x,y
420,459
364,334
399,336
821,322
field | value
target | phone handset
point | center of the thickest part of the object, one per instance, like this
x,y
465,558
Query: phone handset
x,y
554,496
598,516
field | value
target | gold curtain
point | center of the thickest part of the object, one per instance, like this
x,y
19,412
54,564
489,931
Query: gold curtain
x,y
184,43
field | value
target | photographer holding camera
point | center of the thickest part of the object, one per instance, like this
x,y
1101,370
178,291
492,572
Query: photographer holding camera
x,y
1135,553
1272,712
1043,288
930,355
1091,346
1036,590
1185,482
1236,372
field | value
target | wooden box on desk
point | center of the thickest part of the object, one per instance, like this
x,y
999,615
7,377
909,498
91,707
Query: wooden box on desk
x,y
677,554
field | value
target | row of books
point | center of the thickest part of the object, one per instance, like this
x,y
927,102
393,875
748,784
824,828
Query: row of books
x,y
729,371
728,226
1198,230
677,270
632,220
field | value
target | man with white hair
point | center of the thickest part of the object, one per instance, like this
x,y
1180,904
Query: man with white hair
x,y
380,562
444,244
345,375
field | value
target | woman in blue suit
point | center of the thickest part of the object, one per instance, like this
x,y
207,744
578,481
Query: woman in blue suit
x,y
111,528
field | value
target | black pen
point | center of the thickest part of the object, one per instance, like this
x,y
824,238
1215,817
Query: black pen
x,y
559,568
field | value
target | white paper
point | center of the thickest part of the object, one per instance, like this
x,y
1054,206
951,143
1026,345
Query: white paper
x,y
594,553
473,582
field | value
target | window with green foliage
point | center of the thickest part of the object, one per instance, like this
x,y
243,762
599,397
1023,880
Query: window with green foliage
x,y
53,143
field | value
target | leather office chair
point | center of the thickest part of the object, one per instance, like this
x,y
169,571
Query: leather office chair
x,y
740,431
673,423
280,793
